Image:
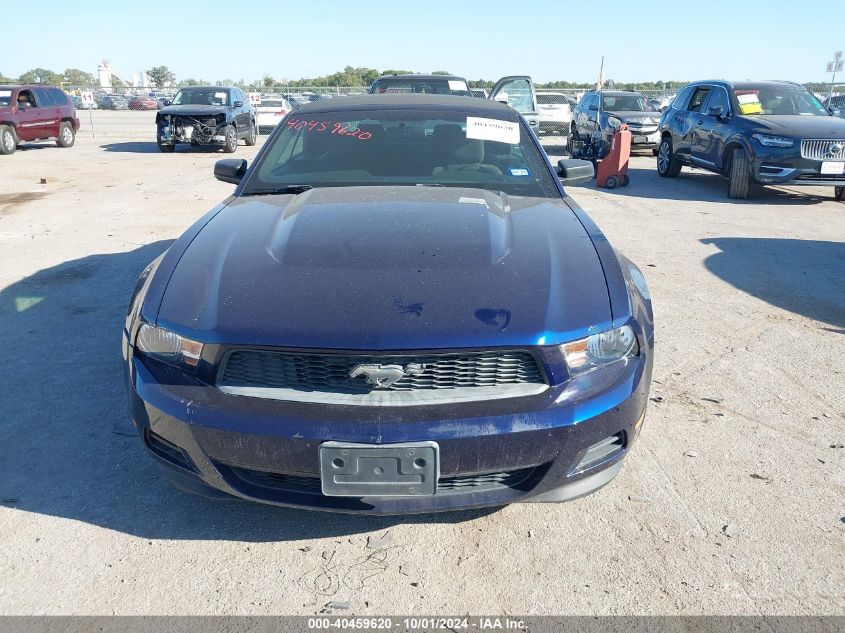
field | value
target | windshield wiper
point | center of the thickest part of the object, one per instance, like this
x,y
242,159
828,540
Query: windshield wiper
x,y
278,190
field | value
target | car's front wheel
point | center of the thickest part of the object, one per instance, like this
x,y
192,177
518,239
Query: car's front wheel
x,y
740,175
839,193
668,165
66,135
231,136
8,143
252,135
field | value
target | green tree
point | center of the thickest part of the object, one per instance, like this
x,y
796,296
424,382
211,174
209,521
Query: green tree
x,y
440,72
161,76
79,77
267,81
117,82
41,74
189,82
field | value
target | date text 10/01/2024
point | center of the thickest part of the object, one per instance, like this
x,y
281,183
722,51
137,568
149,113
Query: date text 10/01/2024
x,y
417,624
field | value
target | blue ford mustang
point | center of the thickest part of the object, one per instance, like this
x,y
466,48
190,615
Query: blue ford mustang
x,y
399,309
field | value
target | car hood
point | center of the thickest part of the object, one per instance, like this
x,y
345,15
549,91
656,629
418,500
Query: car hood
x,y
635,116
799,126
389,268
193,109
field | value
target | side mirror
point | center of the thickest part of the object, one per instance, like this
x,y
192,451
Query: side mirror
x,y
572,171
834,111
230,170
165,102
663,109
238,104
715,111
593,106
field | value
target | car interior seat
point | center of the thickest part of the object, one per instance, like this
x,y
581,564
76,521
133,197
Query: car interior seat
x,y
464,155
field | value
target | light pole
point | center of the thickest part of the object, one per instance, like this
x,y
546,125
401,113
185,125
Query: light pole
x,y
834,67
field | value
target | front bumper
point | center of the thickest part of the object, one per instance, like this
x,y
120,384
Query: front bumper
x,y
782,166
267,451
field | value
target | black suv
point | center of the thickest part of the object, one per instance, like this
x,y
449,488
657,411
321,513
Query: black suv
x,y
600,112
206,115
417,84
764,132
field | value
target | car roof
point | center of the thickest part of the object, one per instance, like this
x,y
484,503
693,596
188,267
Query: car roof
x,y
470,105
744,85
619,93
421,76
206,87
25,86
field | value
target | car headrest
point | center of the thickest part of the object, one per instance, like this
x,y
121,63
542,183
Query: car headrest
x,y
471,151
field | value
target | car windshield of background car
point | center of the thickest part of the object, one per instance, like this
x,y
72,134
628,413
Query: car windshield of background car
x,y
201,97
626,103
767,101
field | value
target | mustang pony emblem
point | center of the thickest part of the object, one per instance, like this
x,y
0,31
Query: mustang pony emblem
x,y
383,376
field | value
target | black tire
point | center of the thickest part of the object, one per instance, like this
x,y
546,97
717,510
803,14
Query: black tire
x,y
8,142
655,151
668,165
252,136
611,182
67,135
231,136
839,193
625,180
740,175
165,148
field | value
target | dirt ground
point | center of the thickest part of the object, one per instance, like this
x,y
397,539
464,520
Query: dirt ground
x,y
731,502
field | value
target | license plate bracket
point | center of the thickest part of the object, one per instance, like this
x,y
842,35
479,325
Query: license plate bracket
x,y
373,470
833,168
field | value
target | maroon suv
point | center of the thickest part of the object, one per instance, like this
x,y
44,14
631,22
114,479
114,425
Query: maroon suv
x,y
35,113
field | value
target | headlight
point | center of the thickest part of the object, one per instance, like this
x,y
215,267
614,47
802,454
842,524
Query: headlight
x,y
614,122
167,346
773,141
600,349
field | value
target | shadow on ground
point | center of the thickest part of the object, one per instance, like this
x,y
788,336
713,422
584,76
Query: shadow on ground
x,y
703,186
803,276
151,147
67,446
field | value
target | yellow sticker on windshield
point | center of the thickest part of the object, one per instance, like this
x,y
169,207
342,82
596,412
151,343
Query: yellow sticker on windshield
x,y
749,103
750,108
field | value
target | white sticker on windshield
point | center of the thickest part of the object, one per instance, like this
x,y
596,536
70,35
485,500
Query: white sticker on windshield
x,y
749,98
455,84
464,200
5,93
220,95
492,130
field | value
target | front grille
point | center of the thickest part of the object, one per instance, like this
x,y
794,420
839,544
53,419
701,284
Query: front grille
x,y
404,379
820,149
310,484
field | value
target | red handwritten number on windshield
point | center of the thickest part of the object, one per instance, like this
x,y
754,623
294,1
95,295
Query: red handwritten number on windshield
x,y
337,128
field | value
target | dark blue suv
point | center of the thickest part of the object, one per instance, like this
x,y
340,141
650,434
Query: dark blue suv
x,y
763,132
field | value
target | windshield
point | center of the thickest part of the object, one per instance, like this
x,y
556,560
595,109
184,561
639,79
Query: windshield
x,y
422,86
201,96
625,103
403,147
5,97
547,99
769,100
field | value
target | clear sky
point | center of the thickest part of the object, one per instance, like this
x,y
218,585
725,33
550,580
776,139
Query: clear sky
x,y
642,40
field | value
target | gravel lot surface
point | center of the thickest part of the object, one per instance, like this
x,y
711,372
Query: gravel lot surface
x,y
731,502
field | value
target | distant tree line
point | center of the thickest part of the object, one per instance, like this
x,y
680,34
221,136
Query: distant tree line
x,y
350,76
